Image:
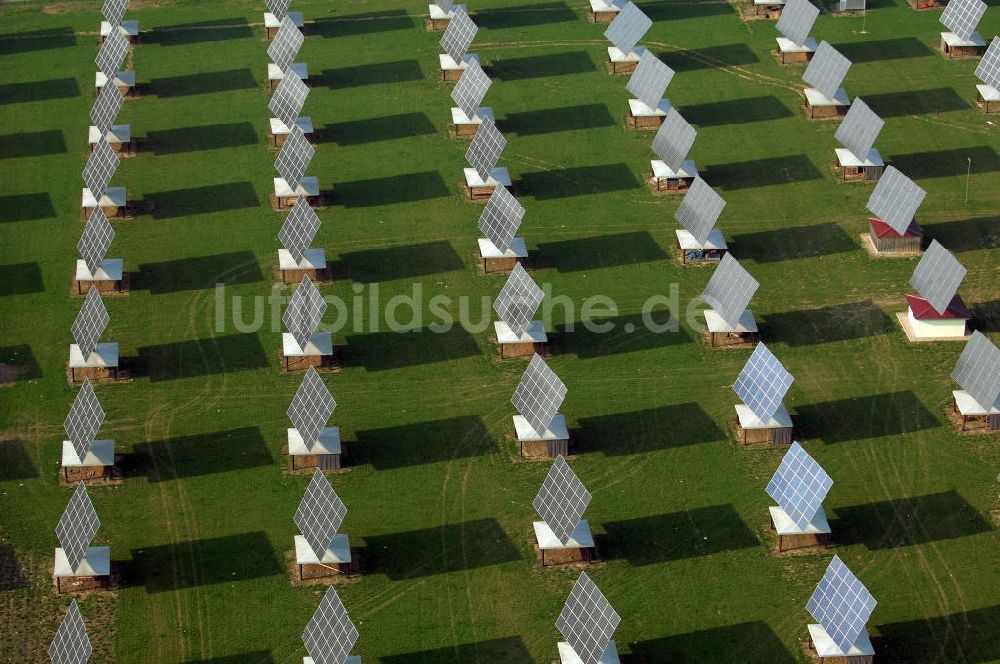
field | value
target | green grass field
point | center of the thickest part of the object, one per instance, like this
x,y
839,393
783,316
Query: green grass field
x,y
439,503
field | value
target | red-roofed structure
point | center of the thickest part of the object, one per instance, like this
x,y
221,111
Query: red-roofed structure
x,y
886,240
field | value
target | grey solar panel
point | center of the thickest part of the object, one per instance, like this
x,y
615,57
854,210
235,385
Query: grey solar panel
x,y
841,604
501,218
77,527
978,370
305,310
988,69
799,486
289,98
299,229
730,289
699,210
826,70
896,199
628,28
114,10
330,634
71,645
320,513
938,276
471,89
962,16
860,128
458,35
83,420
311,408
518,300
587,620
100,168
97,237
561,500
294,157
650,79
796,21
445,5
112,54
485,149
763,383
673,140
286,44
278,7
106,108
90,322
538,395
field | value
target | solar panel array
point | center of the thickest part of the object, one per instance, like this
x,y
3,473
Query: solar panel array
x,y
294,157
978,370
796,21
896,199
826,70
988,69
114,10
77,527
518,300
286,44
587,620
799,486
938,276
650,79
730,289
699,210
459,35
538,395
485,149
106,108
860,128
445,5
299,229
561,500
763,383
500,218
673,140
71,645
112,54
279,8
97,237
471,89
84,420
628,28
841,604
305,310
90,322
311,408
320,513
288,98
100,168
962,16
330,634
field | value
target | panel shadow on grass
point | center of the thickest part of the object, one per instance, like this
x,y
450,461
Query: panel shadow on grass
x,y
32,144
968,637
197,139
197,273
891,524
26,207
578,181
359,24
916,102
602,251
15,464
966,234
424,442
182,34
37,40
398,71
12,575
668,10
650,540
524,16
838,322
628,334
204,562
746,642
880,50
762,172
709,57
391,263
374,130
541,66
255,657
859,418
503,649
440,549
18,363
201,357
987,316
200,200
736,111
792,243
554,120
650,430
946,163
391,190
21,279
201,84
55,88
201,454
381,351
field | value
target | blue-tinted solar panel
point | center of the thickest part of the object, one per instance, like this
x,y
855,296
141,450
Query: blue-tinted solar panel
x,y
841,604
799,486
763,383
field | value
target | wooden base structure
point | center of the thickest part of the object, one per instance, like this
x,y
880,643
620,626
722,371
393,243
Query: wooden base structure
x,y
553,442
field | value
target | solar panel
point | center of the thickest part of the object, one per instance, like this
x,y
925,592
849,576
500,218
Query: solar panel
x,y
458,35
895,199
587,620
561,500
106,108
71,645
962,16
501,218
763,383
311,408
114,10
650,79
470,90
286,44
278,7
305,310
860,128
97,237
673,140
937,276
485,149
978,370
294,157
100,168
799,486
299,229
826,70
90,322
77,526
796,21
84,419
518,300
700,209
841,604
320,514
988,70
628,28
330,634
445,5
112,54
538,395
730,289
288,98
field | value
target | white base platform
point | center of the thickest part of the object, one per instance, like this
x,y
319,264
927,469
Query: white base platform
x,y
328,443
581,538
113,197
639,109
438,14
663,172
616,55
825,647
130,28
687,242
783,524
102,453
780,420
970,407
274,72
557,429
816,98
716,324
312,259
117,134
604,7
847,159
448,63
975,40
534,333
499,177
339,551
351,659
96,563
321,343
458,116
272,22
111,269
568,656
988,92
105,356
517,249
278,128
124,79
786,45
308,186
